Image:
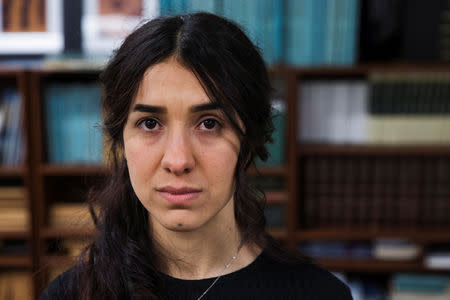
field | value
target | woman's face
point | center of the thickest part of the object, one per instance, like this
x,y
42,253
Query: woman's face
x,y
180,150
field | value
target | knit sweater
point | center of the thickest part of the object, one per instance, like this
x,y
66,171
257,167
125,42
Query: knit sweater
x,y
264,278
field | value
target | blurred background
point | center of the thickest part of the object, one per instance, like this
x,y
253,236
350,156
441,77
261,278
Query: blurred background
x,y
359,173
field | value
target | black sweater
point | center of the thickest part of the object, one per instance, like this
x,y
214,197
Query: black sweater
x,y
265,278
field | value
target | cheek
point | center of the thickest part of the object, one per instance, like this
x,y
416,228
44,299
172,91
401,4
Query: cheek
x,y
220,166
140,160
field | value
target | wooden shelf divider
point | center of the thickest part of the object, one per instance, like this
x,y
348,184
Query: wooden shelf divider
x,y
373,150
72,170
418,235
370,265
22,261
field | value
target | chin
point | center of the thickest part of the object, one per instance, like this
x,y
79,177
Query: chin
x,y
181,226
181,223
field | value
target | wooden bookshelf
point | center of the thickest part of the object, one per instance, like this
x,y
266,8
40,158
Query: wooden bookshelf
x,y
43,180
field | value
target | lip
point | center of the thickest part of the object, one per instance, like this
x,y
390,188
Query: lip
x,y
178,195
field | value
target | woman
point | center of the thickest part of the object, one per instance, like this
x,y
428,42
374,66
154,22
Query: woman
x,y
186,109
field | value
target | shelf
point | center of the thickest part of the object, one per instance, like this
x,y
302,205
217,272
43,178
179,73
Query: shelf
x,y
72,170
276,197
363,69
418,235
371,265
335,71
372,150
15,234
16,172
8,260
67,232
278,171
278,233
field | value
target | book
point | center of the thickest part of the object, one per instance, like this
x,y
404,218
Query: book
x,y
437,260
77,139
396,249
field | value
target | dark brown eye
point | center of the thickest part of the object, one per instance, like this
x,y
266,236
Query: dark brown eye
x,y
149,124
209,123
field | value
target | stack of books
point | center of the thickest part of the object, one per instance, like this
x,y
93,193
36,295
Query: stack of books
x,y
16,285
14,213
70,215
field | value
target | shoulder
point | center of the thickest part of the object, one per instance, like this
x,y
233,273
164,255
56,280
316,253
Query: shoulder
x,y
305,279
63,287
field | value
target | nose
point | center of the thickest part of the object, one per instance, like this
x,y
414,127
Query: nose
x,y
178,157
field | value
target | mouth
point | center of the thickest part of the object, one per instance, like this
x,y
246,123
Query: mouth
x,y
178,195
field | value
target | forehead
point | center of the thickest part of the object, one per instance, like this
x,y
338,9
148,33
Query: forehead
x,y
170,83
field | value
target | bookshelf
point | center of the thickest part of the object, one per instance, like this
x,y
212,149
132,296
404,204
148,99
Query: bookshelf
x,y
46,181
16,213
423,233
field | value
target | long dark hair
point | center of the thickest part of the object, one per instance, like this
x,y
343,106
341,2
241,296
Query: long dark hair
x,y
123,260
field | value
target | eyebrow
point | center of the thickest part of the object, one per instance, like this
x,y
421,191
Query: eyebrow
x,y
160,109
149,108
203,107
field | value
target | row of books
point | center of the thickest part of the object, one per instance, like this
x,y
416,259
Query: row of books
x,y
69,215
296,32
420,286
12,148
16,285
435,257
321,32
401,286
14,213
73,122
375,192
381,249
422,93
386,109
